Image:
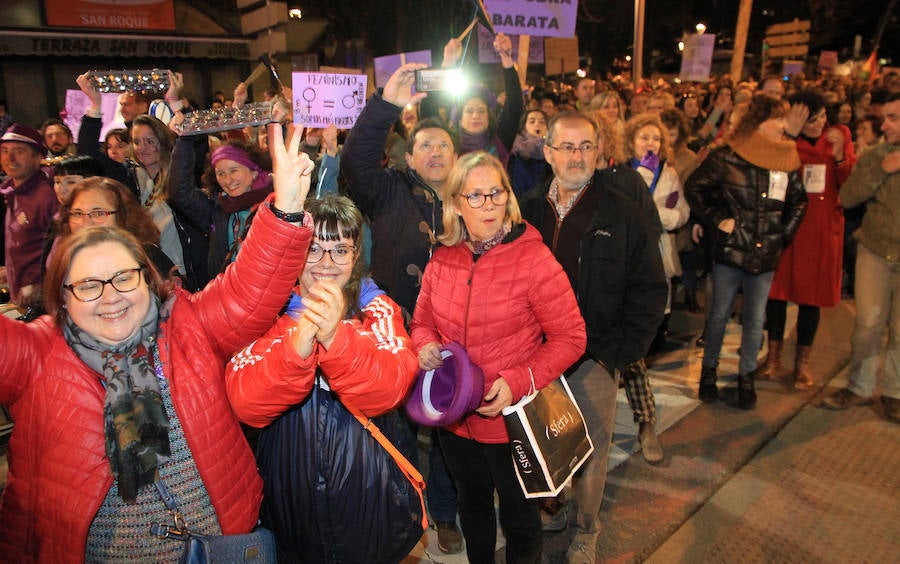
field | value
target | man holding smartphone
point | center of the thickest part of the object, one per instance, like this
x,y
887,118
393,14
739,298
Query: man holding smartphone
x,y
404,210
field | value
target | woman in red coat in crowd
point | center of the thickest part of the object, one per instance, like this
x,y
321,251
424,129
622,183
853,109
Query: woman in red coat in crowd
x,y
123,384
496,289
810,270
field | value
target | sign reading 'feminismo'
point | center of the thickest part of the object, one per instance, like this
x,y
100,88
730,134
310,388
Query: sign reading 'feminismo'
x,y
322,99
548,18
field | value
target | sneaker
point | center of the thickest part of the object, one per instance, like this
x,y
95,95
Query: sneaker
x,y
449,537
891,408
581,553
650,447
844,398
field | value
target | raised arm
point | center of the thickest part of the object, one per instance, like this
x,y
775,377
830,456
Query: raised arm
x,y
89,133
363,150
508,123
185,198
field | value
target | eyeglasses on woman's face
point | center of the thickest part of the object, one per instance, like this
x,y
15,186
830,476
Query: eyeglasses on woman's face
x,y
96,214
90,289
340,255
477,199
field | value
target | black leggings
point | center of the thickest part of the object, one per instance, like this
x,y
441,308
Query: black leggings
x,y
807,322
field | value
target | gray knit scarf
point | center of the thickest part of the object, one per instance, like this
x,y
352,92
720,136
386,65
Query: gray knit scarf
x,y
136,424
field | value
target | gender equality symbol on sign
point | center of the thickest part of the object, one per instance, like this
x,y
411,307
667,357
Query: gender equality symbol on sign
x,y
322,99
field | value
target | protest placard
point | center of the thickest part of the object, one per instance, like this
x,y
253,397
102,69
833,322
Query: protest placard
x,y
77,104
828,60
696,59
386,66
487,54
528,17
560,55
322,99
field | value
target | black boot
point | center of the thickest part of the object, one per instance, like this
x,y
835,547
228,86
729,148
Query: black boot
x,y
708,392
746,391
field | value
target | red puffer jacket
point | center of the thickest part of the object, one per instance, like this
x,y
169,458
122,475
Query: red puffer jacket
x,y
501,308
369,365
58,471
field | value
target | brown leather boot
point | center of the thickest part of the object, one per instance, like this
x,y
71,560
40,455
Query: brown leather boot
x,y
772,365
802,378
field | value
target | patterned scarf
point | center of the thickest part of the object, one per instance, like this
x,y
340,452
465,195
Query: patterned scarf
x,y
481,247
135,420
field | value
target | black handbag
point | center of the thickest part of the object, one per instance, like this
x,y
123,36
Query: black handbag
x,y
257,547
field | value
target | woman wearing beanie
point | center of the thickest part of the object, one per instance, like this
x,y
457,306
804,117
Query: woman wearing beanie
x,y
236,181
748,193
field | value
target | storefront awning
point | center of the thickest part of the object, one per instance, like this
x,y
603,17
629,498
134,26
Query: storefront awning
x,y
112,45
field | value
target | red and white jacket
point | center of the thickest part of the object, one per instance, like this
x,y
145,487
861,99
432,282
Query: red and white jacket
x,y
511,310
59,474
369,365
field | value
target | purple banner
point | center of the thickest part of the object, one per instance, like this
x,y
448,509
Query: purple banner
x,y
547,18
386,66
487,54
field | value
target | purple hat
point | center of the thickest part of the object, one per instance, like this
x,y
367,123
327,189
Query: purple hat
x,y
22,134
444,395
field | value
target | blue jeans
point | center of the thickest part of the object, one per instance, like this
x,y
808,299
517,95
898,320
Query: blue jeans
x,y
726,281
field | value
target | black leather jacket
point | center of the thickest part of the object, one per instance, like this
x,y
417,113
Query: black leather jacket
x,y
727,186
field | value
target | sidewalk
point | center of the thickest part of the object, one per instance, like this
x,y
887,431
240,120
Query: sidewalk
x,y
785,482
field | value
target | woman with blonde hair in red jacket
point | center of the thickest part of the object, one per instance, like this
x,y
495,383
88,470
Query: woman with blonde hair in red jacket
x,y
496,289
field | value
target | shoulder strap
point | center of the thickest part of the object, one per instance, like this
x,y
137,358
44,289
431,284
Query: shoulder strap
x,y
413,475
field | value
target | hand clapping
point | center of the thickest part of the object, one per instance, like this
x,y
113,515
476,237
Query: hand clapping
x,y
325,308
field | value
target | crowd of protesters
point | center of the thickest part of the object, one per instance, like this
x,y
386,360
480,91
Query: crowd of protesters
x,y
579,213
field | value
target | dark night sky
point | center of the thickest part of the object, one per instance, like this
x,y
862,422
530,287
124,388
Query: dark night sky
x,y
605,26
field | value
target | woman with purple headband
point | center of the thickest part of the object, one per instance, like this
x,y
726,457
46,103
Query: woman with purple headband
x,y
234,183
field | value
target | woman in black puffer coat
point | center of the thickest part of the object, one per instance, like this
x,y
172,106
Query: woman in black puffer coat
x,y
749,194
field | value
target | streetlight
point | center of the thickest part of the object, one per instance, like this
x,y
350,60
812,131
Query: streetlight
x,y
700,27
295,13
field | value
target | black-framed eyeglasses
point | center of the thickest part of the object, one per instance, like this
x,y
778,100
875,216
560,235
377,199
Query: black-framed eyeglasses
x,y
569,150
90,289
340,255
78,215
477,199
